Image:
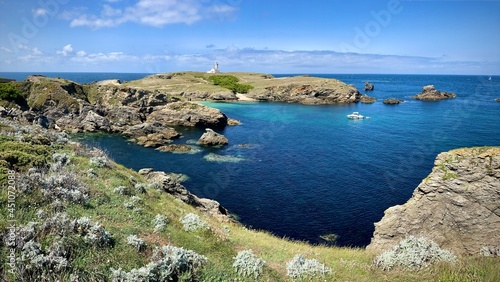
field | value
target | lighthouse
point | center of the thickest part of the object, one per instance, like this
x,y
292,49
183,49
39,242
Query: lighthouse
x,y
215,69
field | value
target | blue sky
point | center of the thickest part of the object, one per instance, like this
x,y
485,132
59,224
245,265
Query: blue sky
x,y
315,36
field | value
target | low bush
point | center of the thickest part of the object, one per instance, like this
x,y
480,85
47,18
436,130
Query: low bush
x,y
413,253
300,267
248,264
136,242
159,222
192,222
230,82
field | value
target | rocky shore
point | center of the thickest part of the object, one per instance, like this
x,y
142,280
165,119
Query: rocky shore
x,y
457,205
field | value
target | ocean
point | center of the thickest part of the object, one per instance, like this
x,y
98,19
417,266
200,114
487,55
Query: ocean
x,y
303,171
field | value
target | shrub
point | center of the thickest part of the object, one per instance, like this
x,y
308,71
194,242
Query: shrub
x,y
230,82
193,222
140,188
159,222
167,264
247,264
99,162
300,267
136,242
122,190
9,92
65,186
59,160
93,233
413,253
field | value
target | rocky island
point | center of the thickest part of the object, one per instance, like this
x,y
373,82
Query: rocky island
x,y
429,93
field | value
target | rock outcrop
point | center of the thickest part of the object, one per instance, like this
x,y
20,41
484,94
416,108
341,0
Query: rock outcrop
x,y
365,99
457,205
430,94
392,101
176,148
212,138
369,86
172,185
147,117
498,100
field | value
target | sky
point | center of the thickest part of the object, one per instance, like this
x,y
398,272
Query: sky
x,y
269,36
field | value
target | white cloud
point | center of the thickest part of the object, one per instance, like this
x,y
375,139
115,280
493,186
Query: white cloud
x,y
153,13
81,53
66,50
5,50
40,12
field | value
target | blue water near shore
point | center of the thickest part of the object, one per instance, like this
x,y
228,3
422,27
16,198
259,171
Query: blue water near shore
x,y
305,171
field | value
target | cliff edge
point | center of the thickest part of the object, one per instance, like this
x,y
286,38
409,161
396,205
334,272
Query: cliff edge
x,y
457,205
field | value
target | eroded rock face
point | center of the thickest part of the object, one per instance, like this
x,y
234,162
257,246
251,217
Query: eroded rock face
x,y
457,205
212,138
430,94
173,186
308,94
188,114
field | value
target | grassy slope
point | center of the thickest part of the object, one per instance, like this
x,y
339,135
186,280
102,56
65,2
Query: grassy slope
x,y
197,81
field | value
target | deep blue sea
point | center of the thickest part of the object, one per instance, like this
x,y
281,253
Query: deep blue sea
x,y
303,171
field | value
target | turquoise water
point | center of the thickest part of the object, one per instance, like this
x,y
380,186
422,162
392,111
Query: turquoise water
x,y
304,171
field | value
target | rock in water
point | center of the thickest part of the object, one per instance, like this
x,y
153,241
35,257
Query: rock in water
x,y
498,99
369,86
430,94
392,101
212,138
457,205
365,99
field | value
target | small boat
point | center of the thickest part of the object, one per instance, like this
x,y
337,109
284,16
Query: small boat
x,y
355,115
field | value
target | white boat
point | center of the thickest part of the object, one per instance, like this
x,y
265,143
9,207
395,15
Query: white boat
x,y
355,115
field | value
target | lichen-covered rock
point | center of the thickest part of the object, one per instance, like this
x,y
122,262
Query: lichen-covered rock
x,y
212,138
457,205
430,94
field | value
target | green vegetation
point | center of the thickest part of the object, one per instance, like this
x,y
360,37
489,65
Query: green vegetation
x,y
9,92
230,82
73,223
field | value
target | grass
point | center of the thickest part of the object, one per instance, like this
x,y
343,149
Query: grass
x,y
220,243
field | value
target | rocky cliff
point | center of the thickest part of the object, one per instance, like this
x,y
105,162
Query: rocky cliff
x,y
146,116
457,205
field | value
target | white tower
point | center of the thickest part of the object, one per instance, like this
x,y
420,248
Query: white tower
x,y
215,69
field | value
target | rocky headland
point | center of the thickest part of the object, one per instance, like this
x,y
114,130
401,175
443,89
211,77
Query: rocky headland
x,y
429,93
457,205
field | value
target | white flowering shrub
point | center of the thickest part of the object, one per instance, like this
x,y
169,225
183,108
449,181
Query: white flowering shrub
x,y
248,264
99,162
167,264
34,262
192,222
136,242
159,222
300,267
413,253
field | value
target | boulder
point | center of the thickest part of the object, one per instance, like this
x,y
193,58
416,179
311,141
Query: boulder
x,y
151,134
457,205
429,93
93,122
498,100
369,86
367,99
212,138
392,101
233,122
188,114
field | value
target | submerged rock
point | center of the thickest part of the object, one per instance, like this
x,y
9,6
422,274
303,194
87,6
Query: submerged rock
x,y
430,94
457,205
212,138
178,148
222,159
392,101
